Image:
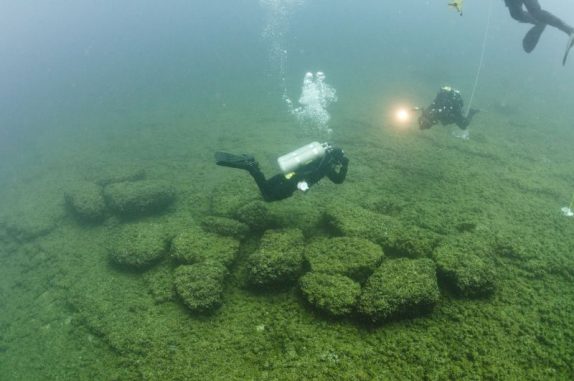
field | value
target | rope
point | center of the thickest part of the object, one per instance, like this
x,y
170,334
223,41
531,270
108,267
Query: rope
x,y
481,61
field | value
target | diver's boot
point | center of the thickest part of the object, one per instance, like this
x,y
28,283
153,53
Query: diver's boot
x,y
568,47
532,37
246,162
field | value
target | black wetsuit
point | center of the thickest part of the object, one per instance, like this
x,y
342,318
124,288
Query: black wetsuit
x,y
534,14
334,164
447,108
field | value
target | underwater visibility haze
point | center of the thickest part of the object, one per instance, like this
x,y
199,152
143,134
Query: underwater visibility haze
x,y
127,253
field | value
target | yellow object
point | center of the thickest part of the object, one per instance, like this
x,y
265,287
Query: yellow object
x,y
289,175
457,4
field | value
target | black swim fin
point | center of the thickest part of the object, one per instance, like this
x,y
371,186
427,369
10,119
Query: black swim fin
x,y
532,37
235,161
568,47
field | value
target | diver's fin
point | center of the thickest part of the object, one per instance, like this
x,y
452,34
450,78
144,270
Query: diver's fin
x,y
472,112
532,37
568,47
234,161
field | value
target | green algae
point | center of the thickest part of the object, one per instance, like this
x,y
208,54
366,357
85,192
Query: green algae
x,y
400,287
195,245
334,294
354,257
200,286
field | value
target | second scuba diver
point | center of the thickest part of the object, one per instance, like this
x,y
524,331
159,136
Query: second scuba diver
x,y
446,108
301,169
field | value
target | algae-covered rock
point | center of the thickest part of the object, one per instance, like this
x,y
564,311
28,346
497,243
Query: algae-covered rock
x,y
200,286
278,260
414,242
354,257
226,198
354,221
195,245
225,226
130,199
400,287
32,217
464,265
256,215
140,245
86,201
334,294
118,174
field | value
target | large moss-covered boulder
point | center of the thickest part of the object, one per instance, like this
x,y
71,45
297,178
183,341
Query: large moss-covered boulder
x,y
257,215
334,294
278,261
355,221
413,242
225,226
227,197
195,245
86,201
140,245
200,286
465,266
354,257
111,174
400,287
131,199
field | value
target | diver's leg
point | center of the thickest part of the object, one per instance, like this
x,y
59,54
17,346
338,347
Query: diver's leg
x,y
464,121
518,13
261,182
247,163
542,16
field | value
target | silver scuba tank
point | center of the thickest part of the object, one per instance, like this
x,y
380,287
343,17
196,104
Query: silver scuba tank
x,y
294,160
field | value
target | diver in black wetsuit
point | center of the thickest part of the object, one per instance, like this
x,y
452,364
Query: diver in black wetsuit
x,y
534,14
330,162
446,108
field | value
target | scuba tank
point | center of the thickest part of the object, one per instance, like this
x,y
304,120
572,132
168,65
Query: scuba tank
x,y
301,156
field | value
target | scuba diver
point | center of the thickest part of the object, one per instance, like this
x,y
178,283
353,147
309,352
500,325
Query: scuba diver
x,y
534,14
301,169
446,108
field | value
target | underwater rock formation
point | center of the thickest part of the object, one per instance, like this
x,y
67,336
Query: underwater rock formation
x,y
119,174
278,261
355,221
414,242
140,245
400,288
195,245
334,294
132,199
86,201
225,227
354,257
464,265
200,286
256,215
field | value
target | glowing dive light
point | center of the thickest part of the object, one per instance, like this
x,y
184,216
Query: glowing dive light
x,y
402,115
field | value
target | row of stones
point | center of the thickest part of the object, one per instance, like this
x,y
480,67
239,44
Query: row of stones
x,y
203,257
349,275
93,202
339,276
